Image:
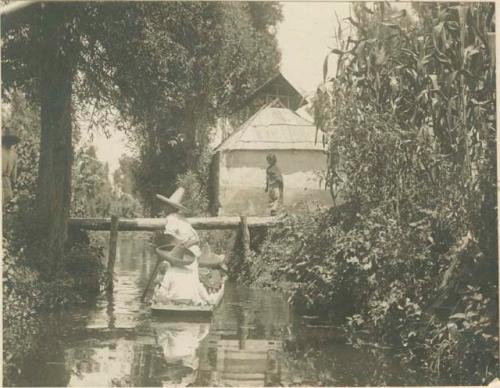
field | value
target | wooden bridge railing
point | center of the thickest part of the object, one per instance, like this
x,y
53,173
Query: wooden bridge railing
x,y
242,224
152,224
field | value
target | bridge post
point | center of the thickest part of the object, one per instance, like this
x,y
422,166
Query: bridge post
x,y
245,237
113,240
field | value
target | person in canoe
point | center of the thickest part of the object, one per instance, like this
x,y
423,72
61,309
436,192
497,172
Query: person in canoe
x,y
213,269
179,280
177,227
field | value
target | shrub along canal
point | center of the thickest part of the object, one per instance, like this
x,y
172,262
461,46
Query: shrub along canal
x,y
253,339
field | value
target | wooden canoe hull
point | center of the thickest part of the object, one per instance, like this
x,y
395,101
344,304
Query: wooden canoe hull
x,y
187,311
165,312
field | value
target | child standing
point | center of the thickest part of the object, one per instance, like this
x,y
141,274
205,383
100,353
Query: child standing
x,y
274,184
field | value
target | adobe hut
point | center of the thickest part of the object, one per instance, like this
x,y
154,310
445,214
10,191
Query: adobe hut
x,y
239,164
277,88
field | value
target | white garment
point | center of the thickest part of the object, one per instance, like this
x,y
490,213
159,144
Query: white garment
x,y
183,283
179,227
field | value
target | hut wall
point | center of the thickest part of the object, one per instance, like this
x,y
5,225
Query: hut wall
x,y
242,180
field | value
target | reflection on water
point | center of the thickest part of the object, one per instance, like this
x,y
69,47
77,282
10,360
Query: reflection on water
x,y
180,342
244,340
236,362
252,340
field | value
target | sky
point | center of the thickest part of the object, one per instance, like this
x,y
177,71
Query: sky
x,y
305,36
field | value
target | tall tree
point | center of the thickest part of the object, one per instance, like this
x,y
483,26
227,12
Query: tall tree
x,y
56,82
204,69
160,64
123,176
39,54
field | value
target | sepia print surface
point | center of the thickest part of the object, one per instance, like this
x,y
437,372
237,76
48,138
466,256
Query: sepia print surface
x,y
249,193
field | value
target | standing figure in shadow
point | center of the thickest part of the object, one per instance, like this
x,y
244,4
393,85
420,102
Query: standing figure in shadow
x,y
9,162
274,184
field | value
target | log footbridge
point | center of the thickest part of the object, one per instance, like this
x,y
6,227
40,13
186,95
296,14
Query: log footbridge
x,y
242,225
153,224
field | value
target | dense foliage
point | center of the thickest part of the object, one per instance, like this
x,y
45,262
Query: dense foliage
x,y
410,258
205,68
123,176
92,193
28,288
169,69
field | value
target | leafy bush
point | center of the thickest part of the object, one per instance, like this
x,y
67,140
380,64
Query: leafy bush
x,y
195,197
410,120
28,292
30,285
383,278
411,259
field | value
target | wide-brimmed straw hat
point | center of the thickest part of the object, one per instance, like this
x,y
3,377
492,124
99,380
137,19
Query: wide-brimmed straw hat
x,y
175,199
169,239
178,255
210,259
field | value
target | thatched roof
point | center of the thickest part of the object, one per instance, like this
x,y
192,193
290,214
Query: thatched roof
x,y
273,128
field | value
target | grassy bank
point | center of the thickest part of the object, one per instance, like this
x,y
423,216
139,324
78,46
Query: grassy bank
x,y
380,279
31,290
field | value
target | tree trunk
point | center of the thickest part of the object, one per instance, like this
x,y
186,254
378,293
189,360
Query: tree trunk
x,y
56,152
196,127
191,143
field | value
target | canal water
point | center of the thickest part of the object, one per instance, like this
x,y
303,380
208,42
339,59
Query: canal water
x,y
253,339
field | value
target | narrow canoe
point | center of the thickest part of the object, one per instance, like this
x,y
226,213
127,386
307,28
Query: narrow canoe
x,y
188,310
